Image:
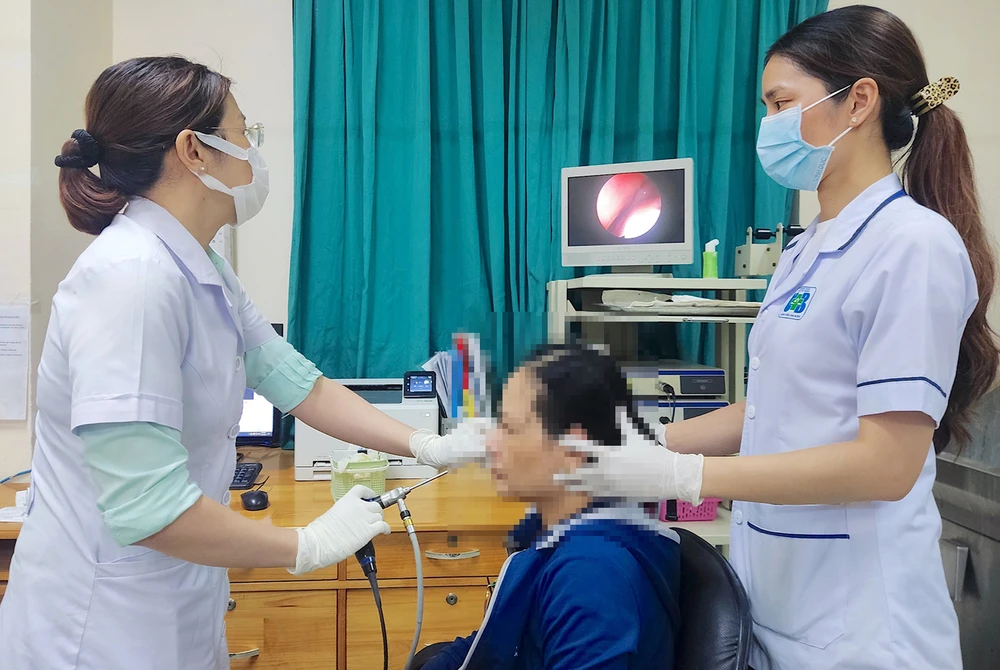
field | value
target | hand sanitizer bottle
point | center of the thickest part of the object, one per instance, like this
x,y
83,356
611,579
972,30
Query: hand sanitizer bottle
x,y
710,261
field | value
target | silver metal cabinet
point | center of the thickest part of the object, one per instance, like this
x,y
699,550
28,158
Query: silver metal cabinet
x,y
968,494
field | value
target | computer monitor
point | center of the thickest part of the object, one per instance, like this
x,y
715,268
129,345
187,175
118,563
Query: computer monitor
x,y
260,423
631,214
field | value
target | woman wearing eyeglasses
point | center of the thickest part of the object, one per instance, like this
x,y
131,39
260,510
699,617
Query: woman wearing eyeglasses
x,y
121,562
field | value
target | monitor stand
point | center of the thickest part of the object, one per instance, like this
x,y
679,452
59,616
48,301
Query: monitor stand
x,y
645,270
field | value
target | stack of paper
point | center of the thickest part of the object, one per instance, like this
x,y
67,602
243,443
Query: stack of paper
x,y
440,364
15,514
461,378
661,303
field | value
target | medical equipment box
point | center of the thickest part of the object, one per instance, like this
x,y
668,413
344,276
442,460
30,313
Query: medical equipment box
x,y
313,449
678,379
655,411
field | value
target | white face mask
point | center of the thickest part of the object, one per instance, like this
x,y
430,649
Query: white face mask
x,y
248,198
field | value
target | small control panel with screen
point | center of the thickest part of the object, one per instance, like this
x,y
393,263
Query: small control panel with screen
x,y
419,384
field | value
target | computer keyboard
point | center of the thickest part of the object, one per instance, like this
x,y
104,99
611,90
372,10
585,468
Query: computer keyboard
x,y
246,475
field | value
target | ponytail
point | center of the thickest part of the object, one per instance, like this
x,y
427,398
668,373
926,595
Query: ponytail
x,y
938,174
844,45
90,204
134,111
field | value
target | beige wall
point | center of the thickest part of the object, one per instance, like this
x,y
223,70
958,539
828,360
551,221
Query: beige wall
x,y
15,192
71,45
959,40
50,52
251,42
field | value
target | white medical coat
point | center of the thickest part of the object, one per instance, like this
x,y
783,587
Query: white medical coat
x,y
867,321
143,328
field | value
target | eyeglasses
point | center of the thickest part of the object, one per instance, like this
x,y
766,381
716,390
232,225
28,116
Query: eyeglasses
x,y
254,133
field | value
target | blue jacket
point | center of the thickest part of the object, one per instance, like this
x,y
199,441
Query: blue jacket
x,y
598,591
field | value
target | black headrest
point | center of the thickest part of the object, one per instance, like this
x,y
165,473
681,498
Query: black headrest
x,y
716,626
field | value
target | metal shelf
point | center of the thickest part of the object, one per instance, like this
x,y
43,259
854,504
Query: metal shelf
x,y
660,283
631,317
730,345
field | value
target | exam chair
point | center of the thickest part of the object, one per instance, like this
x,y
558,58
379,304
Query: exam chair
x,y
427,653
716,628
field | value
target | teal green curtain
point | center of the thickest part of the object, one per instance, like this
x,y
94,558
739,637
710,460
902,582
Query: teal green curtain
x,y
429,135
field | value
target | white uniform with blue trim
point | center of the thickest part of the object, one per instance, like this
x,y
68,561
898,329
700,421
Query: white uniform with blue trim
x,y
143,328
866,320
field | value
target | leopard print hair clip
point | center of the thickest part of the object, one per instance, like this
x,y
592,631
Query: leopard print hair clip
x,y
933,94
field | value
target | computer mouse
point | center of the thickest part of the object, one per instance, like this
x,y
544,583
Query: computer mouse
x,y
254,500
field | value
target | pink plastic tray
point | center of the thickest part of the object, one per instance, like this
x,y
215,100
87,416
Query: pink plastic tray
x,y
706,511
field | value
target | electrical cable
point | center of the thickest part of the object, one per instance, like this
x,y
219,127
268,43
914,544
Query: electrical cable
x,y
16,474
420,593
381,619
366,558
404,514
672,399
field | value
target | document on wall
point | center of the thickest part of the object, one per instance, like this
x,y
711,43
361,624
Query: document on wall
x,y
14,333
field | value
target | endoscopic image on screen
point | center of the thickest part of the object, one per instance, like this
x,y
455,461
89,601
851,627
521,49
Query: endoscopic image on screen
x,y
626,208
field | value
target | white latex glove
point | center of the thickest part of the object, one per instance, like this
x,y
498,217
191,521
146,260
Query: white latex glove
x,y
661,434
638,469
465,444
340,531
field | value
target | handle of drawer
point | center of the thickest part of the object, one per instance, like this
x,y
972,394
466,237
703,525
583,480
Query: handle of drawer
x,y
250,653
451,556
956,561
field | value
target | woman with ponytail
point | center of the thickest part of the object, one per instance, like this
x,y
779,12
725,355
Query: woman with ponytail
x,y
867,356
151,345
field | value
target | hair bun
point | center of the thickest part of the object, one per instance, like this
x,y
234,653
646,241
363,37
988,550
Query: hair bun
x,y
83,153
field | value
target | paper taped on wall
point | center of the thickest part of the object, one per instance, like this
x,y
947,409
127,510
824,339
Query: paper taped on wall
x,y
14,337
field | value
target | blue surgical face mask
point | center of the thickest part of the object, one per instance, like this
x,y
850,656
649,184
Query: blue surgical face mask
x,y
785,156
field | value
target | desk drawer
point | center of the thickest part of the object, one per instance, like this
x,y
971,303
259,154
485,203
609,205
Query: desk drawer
x,y
287,629
6,556
449,612
244,575
394,555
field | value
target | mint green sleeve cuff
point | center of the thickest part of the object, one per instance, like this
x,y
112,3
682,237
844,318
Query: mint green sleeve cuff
x,y
141,474
280,373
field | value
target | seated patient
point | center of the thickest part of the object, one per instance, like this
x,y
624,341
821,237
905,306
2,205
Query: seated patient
x,y
590,583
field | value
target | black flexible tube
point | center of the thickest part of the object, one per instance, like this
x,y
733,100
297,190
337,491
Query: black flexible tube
x,y
366,558
381,619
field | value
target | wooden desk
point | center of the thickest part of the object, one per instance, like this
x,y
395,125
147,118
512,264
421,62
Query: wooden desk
x,y
328,619
8,531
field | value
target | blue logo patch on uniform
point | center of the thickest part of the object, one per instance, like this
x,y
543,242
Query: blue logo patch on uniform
x,y
797,305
